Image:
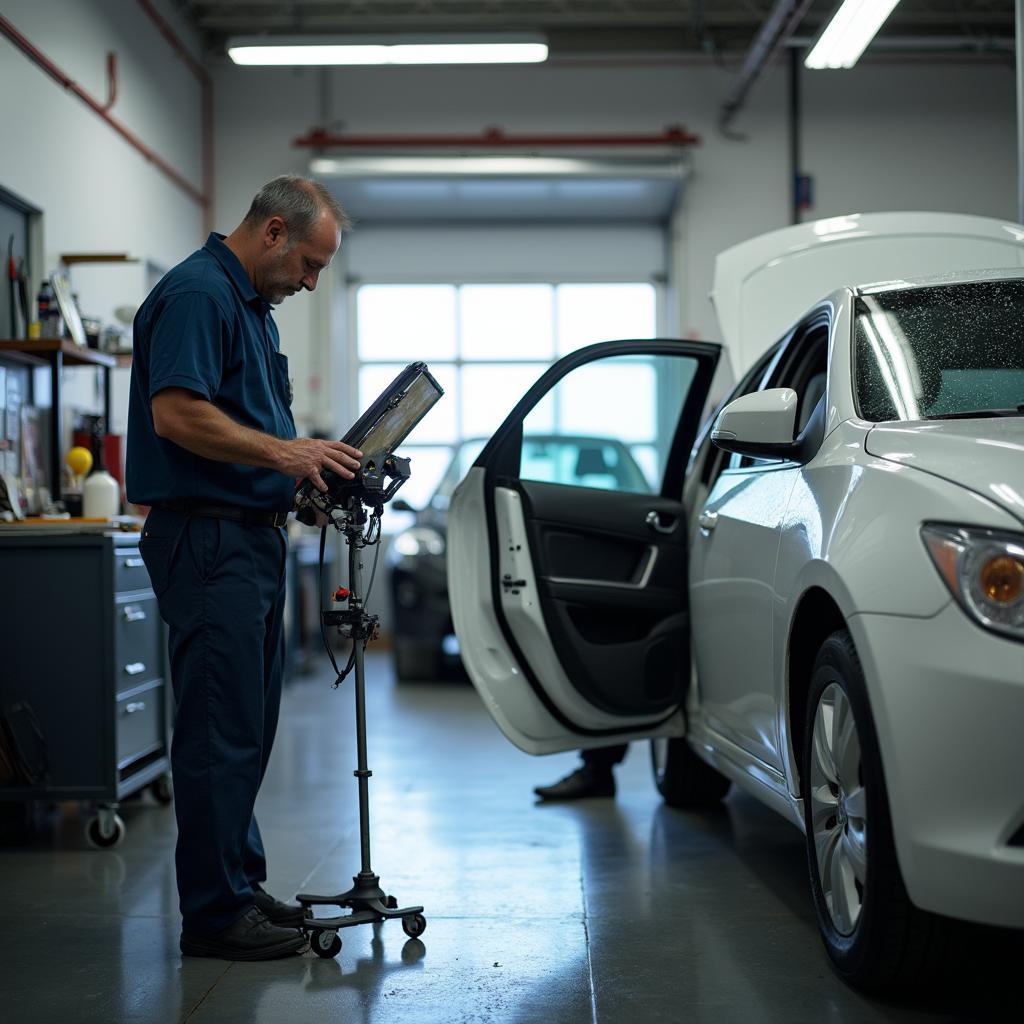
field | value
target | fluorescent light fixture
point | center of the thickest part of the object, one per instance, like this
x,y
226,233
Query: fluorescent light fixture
x,y
847,35
363,51
520,166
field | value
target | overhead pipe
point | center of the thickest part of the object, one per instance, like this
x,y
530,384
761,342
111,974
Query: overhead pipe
x,y
70,85
111,80
205,105
492,138
782,21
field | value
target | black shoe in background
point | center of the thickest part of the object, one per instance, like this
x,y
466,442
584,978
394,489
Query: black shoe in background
x,y
288,915
251,937
584,782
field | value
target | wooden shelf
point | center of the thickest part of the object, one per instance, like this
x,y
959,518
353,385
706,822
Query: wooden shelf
x,y
43,348
69,258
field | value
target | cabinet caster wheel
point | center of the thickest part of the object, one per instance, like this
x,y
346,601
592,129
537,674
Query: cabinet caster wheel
x,y
162,789
414,925
325,944
391,903
105,831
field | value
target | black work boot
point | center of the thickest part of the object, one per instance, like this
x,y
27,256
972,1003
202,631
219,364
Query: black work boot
x,y
586,781
289,915
251,937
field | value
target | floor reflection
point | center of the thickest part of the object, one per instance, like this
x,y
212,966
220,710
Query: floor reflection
x,y
622,911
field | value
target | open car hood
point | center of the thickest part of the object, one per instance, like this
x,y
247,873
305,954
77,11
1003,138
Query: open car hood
x,y
763,286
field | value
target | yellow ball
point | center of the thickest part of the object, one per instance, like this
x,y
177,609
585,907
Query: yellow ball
x,y
79,461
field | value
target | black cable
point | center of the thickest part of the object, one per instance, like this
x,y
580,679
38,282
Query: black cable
x,y
320,589
370,538
376,556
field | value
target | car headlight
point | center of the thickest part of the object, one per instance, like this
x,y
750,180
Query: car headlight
x,y
984,570
419,540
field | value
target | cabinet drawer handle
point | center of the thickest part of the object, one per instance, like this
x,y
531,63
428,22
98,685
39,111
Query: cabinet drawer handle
x,y
133,563
133,614
138,705
135,668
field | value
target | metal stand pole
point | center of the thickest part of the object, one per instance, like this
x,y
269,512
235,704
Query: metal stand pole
x,y
366,899
363,773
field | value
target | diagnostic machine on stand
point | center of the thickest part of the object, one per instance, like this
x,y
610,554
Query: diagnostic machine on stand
x,y
354,508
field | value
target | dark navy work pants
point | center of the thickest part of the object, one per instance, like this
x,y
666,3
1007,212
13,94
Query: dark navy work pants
x,y
221,591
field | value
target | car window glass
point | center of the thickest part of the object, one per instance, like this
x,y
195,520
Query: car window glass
x,y
608,424
802,366
716,459
947,350
464,457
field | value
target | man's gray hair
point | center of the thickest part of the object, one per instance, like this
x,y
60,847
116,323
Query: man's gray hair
x,y
298,202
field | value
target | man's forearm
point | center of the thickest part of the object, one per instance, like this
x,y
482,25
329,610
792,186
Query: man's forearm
x,y
198,426
211,433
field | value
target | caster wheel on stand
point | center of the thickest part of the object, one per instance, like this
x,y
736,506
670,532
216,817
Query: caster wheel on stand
x,y
326,944
414,925
106,830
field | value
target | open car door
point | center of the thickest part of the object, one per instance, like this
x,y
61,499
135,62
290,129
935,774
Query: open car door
x,y
567,549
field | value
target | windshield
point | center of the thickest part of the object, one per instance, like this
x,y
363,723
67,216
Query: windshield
x,y
938,352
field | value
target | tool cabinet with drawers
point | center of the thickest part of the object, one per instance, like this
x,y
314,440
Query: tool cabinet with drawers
x,y
84,689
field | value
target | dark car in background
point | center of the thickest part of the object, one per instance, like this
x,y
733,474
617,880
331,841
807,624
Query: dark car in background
x,y
423,639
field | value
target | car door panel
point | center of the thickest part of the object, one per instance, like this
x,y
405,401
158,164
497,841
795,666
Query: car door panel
x,y
612,592
732,601
582,637
734,592
535,655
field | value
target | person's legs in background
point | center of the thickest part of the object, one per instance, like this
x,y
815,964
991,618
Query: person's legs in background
x,y
593,778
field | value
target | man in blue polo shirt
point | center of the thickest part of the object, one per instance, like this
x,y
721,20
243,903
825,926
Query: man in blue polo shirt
x,y
212,448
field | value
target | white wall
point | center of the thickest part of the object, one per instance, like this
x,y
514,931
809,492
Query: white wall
x,y
912,137
97,192
884,136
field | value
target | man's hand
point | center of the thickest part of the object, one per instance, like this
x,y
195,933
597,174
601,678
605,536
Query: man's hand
x,y
305,458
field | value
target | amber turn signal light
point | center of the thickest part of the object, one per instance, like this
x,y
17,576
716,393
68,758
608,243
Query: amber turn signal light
x,y
1002,579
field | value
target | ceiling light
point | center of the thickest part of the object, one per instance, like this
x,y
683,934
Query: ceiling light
x,y
519,166
847,35
366,50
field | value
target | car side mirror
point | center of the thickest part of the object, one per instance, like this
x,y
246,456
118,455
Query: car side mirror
x,y
401,505
759,425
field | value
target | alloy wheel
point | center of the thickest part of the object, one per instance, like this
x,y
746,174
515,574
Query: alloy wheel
x,y
838,809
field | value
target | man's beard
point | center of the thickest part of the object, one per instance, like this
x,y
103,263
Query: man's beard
x,y
278,286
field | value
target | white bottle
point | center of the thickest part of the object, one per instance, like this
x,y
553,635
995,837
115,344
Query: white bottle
x,y
101,496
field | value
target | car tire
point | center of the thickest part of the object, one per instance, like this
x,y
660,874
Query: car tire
x,y
682,778
415,662
877,940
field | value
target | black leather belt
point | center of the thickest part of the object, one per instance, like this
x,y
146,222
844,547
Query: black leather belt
x,y
236,513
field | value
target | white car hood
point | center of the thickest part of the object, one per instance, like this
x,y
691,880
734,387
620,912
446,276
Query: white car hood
x,y
985,455
764,285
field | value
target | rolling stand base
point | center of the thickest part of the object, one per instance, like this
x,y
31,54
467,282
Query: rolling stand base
x,y
369,905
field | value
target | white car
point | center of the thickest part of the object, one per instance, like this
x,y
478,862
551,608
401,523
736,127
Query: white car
x,y
822,600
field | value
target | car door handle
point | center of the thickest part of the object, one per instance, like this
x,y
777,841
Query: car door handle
x,y
653,520
708,520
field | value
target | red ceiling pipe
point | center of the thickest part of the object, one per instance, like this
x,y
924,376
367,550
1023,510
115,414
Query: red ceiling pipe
x,y
111,80
206,105
493,138
47,65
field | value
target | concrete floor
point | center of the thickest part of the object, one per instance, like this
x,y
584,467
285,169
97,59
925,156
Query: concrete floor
x,y
606,911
